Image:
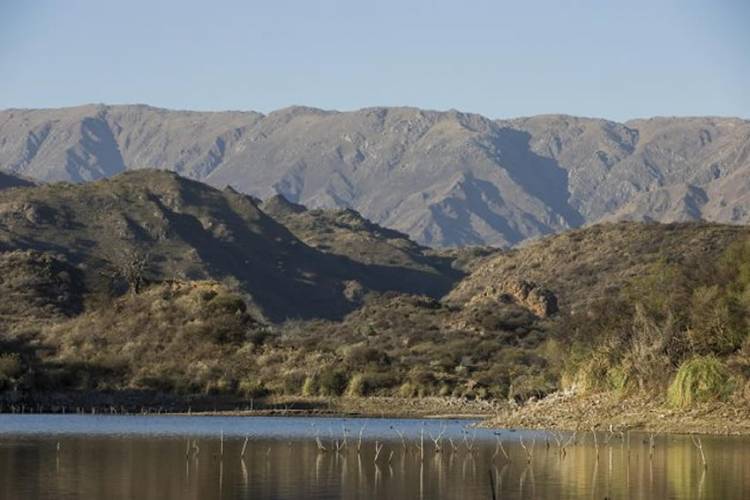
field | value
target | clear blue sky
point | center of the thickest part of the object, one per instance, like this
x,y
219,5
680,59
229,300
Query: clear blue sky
x,y
607,58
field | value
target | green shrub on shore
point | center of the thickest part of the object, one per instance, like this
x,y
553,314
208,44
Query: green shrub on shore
x,y
700,379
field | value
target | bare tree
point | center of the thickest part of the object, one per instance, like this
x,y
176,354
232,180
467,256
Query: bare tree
x,y
131,265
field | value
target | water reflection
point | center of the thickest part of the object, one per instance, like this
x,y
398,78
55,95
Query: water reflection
x,y
393,459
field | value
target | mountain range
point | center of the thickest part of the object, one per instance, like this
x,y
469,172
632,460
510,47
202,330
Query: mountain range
x,y
443,178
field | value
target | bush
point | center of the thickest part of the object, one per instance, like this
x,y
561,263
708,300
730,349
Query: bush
x,y
253,389
294,382
715,322
311,386
700,379
227,304
365,384
332,382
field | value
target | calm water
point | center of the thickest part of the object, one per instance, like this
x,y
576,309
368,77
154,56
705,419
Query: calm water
x,y
112,457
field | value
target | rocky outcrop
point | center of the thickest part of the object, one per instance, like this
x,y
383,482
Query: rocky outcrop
x,y
528,294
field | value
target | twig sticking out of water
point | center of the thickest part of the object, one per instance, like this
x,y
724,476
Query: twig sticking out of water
x,y
359,440
187,449
244,447
596,443
699,444
221,444
529,451
390,457
401,436
499,448
196,448
566,444
651,445
437,440
421,444
321,448
470,444
378,449
453,445
345,442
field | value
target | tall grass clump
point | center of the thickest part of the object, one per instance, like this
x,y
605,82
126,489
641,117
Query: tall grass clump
x,y
700,379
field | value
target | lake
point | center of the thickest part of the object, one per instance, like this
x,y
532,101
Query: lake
x,y
180,457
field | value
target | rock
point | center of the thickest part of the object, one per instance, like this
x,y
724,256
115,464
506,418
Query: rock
x,y
538,299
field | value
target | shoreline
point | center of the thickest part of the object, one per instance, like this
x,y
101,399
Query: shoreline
x,y
147,403
606,411
562,411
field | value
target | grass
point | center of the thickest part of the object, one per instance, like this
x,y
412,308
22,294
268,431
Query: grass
x,y
700,379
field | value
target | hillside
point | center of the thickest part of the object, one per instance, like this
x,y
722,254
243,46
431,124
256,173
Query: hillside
x,y
443,178
590,264
298,303
189,231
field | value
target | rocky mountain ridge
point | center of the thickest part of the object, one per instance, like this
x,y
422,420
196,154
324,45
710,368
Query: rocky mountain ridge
x,y
444,178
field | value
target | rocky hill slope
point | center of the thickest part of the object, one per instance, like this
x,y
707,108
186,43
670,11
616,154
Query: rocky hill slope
x,y
443,178
165,227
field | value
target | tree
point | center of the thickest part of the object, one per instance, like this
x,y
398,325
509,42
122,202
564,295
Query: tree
x,y
131,265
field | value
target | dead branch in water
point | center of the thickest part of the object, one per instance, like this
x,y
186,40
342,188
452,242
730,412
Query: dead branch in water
x,y
499,448
529,451
699,444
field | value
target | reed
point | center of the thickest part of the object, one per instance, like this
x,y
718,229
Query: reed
x,y
378,449
221,444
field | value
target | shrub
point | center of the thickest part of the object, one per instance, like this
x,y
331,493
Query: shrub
x,y
700,379
365,384
227,304
332,382
359,356
310,387
407,390
294,382
253,389
715,322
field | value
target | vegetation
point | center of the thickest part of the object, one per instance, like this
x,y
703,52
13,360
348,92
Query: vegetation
x,y
677,329
700,379
185,290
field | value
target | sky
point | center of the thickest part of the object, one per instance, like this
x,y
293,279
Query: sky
x,y
602,58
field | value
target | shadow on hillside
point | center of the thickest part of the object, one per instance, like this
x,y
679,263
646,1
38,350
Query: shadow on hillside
x,y
540,176
276,269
